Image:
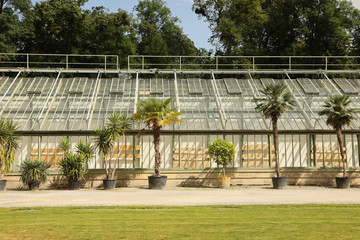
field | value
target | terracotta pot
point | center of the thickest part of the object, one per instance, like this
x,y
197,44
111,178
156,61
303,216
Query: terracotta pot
x,y
224,182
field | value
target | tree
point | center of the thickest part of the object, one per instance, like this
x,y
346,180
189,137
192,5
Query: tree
x,y
158,31
338,113
59,26
110,33
9,142
223,152
279,27
116,126
277,101
156,114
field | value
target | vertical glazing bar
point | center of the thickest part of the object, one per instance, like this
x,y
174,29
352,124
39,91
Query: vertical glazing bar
x,y
134,150
67,62
142,63
177,94
39,148
136,91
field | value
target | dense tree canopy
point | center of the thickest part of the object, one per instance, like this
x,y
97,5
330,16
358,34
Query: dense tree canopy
x,y
280,27
239,27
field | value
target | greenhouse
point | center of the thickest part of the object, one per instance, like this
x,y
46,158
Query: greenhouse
x,y
52,97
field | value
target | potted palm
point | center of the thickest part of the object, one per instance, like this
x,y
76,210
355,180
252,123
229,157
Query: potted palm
x,y
223,152
338,113
9,142
115,127
34,172
276,102
74,165
156,114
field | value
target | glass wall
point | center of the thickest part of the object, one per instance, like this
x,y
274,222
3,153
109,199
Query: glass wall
x,y
190,151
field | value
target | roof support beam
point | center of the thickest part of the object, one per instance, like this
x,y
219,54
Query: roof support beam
x,y
306,117
47,99
331,83
7,90
136,91
258,96
218,102
176,93
91,107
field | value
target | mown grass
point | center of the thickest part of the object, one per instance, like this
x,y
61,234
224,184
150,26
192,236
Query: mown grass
x,y
204,222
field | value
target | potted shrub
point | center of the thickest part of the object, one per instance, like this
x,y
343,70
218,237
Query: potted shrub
x,y
276,102
223,152
74,165
156,114
33,173
338,113
9,142
116,126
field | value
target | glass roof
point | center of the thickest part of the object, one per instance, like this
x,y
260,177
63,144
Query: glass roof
x,y
82,103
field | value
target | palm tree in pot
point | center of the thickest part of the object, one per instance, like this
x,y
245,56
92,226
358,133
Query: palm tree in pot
x,y
338,113
33,173
9,142
74,165
223,152
277,101
115,127
156,114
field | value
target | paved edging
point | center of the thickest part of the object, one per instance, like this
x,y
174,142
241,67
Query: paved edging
x,y
180,197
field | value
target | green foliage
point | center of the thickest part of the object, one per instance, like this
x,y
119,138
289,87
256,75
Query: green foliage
x,y
85,149
9,142
116,126
64,145
280,27
158,31
154,111
34,171
277,100
338,112
73,166
222,151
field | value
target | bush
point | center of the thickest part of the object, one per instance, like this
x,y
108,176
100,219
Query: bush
x,y
73,166
32,171
223,152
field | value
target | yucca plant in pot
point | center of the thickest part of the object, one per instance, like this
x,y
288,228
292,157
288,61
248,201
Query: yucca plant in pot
x,y
106,138
9,142
222,152
33,173
276,102
74,165
339,114
156,114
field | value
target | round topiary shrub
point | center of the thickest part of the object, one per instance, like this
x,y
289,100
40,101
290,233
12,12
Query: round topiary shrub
x,y
222,152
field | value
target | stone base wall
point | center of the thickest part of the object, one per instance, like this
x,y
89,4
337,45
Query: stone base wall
x,y
196,178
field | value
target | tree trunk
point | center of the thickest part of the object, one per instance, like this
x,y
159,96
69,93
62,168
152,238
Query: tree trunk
x,y
223,170
339,137
156,132
276,144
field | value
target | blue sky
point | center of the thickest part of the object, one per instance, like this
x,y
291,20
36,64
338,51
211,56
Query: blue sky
x,y
196,29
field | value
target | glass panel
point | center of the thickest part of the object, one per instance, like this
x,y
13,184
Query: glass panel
x,y
307,86
232,86
345,86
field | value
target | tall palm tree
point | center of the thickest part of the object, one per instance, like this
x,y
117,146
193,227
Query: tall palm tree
x,y
277,101
338,113
9,142
156,114
115,127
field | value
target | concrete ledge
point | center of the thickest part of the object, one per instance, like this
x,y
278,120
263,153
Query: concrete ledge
x,y
198,178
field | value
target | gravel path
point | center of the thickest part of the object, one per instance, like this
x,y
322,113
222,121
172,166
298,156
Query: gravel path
x,y
180,197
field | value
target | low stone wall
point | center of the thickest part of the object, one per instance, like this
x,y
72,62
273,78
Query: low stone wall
x,y
198,178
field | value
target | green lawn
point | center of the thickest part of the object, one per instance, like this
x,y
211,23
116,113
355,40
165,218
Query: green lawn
x,y
205,222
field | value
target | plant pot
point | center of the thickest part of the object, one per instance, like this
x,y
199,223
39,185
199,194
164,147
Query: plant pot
x,y
343,182
109,184
74,184
157,182
223,182
34,185
279,183
2,185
